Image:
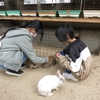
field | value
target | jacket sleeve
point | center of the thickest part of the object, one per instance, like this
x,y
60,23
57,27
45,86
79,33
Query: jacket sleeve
x,y
25,44
70,65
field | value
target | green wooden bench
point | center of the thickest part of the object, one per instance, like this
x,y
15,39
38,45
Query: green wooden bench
x,y
13,13
3,13
74,13
62,13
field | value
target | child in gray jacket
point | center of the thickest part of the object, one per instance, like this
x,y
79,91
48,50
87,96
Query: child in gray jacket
x,y
16,47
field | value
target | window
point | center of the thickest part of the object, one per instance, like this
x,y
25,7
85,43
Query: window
x,y
65,1
1,3
26,2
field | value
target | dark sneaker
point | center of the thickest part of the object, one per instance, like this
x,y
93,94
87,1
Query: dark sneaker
x,y
68,71
11,72
23,66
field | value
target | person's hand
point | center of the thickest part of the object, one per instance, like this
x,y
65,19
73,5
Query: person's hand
x,y
58,55
51,62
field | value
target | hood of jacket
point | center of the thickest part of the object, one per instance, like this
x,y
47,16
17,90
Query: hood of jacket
x,y
18,32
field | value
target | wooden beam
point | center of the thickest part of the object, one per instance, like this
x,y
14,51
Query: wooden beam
x,y
48,19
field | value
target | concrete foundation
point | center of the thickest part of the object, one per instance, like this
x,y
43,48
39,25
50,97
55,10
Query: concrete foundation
x,y
91,39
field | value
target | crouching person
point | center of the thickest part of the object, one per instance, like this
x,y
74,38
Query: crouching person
x,y
16,47
76,57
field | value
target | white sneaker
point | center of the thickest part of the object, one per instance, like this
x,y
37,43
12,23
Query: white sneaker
x,y
69,76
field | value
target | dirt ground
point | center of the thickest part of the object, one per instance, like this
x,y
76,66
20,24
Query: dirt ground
x,y
25,86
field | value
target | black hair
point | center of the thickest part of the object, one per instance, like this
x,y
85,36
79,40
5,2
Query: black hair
x,y
63,30
38,25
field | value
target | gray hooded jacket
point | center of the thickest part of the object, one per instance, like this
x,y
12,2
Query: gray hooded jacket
x,y
12,47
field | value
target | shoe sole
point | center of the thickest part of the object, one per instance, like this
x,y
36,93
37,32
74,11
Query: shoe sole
x,y
13,74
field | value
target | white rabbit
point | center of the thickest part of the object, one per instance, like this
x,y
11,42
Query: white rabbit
x,y
50,82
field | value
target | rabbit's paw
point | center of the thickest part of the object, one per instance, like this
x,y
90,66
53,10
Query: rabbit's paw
x,y
35,66
49,94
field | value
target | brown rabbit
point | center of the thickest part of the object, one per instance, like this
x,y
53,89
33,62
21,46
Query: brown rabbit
x,y
30,64
51,62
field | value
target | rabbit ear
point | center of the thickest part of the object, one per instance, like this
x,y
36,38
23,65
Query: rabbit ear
x,y
58,73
